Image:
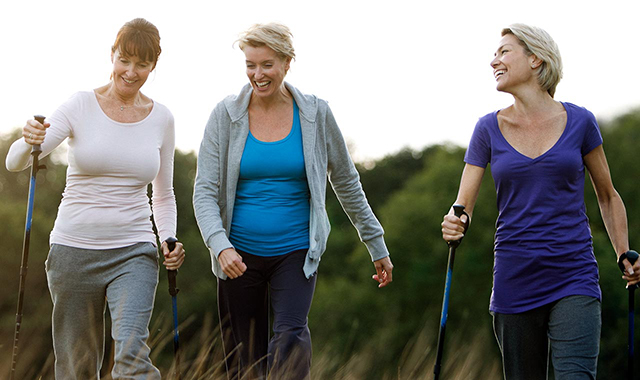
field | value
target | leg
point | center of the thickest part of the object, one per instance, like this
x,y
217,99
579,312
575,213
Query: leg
x,y
523,343
78,312
574,332
130,295
291,295
244,320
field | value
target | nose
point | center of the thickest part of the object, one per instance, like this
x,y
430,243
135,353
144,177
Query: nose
x,y
494,62
258,72
131,71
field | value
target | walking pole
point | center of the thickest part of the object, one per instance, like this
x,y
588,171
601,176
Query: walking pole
x,y
173,290
458,211
35,167
632,256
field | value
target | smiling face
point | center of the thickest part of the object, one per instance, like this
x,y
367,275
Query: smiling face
x,y
129,73
266,70
512,67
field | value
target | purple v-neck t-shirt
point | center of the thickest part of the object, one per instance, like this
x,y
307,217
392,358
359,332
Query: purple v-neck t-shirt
x,y
543,247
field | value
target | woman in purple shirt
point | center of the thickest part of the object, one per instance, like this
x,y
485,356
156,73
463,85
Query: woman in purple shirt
x,y
545,291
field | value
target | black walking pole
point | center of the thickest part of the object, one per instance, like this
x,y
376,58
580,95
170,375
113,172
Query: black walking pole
x,y
35,167
173,290
632,256
458,211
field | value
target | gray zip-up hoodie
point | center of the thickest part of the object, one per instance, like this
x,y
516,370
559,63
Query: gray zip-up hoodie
x,y
325,153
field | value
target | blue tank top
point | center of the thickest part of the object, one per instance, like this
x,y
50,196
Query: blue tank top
x,y
271,212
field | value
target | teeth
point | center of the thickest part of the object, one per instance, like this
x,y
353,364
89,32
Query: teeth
x,y
498,73
262,84
128,81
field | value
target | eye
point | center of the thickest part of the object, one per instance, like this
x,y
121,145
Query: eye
x,y
503,51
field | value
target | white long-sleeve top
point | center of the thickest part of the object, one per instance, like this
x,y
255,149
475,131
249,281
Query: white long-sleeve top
x,y
105,203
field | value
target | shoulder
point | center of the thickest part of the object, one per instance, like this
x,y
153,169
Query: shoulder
x,y
79,102
311,107
488,118
235,106
579,112
486,122
164,114
161,108
81,97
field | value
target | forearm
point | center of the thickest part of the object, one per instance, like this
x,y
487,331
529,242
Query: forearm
x,y
19,156
614,216
470,187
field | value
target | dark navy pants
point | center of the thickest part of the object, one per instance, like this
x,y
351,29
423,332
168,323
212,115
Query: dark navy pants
x,y
273,286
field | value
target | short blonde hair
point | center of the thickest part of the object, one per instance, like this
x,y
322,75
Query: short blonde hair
x,y
538,42
273,35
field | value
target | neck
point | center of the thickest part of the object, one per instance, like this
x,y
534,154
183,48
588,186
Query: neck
x,y
282,96
125,100
532,101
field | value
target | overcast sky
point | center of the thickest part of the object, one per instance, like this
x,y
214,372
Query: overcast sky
x,y
396,73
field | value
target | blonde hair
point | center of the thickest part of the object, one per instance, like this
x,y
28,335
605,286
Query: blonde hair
x,y
275,36
538,42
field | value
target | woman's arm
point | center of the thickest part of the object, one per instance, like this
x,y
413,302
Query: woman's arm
x,y
452,226
345,182
614,214
163,198
206,201
207,189
49,135
164,201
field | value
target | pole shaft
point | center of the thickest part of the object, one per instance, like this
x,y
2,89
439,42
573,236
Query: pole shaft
x,y
631,332
25,258
173,291
445,312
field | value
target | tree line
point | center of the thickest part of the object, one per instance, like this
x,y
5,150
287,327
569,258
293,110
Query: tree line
x,y
375,333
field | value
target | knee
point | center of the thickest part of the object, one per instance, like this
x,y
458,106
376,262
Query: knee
x,y
292,342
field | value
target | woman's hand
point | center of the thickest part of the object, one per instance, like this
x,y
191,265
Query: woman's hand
x,y
383,271
453,227
174,259
231,263
34,132
631,272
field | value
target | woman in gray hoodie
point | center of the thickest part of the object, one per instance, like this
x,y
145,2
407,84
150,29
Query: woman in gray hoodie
x,y
259,201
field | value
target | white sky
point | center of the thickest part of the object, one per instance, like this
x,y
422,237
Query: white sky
x,y
396,73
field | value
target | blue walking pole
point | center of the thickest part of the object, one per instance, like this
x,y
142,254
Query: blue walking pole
x,y
35,167
632,256
458,210
173,290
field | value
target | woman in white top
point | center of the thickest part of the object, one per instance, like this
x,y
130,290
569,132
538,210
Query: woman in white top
x,y
103,247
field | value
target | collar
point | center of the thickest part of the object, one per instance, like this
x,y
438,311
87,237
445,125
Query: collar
x,y
237,105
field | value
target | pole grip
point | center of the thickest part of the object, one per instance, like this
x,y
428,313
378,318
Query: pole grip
x,y
171,274
632,257
458,210
36,149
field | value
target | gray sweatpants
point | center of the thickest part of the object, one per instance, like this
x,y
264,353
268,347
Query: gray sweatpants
x,y
82,283
570,327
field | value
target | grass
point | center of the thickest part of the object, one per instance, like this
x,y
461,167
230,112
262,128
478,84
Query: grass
x,y
202,358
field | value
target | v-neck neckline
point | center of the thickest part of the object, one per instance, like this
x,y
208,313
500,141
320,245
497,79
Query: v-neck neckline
x,y
546,152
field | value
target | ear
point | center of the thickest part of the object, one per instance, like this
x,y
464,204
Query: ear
x,y
535,61
287,64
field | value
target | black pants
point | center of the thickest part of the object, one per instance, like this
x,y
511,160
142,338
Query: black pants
x,y
243,304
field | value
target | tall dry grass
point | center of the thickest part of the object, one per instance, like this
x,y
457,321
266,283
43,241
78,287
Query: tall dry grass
x,y
202,357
